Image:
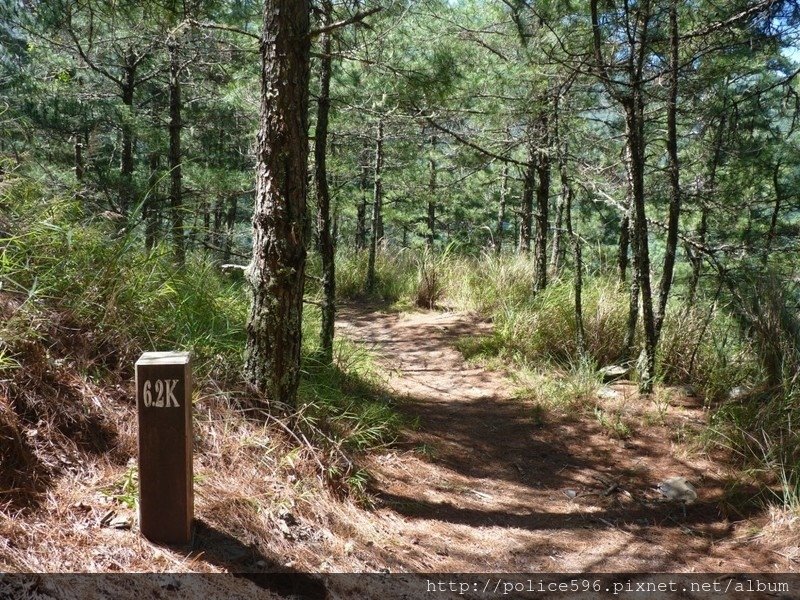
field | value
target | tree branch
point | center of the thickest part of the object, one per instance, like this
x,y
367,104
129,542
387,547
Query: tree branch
x,y
205,25
345,22
474,146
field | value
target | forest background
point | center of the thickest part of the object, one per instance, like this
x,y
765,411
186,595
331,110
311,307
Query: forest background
x,y
611,183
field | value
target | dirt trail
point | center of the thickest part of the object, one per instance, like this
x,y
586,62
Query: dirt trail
x,y
485,483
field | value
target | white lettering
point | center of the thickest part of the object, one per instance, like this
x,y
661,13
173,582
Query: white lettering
x,y
159,393
171,399
147,395
165,393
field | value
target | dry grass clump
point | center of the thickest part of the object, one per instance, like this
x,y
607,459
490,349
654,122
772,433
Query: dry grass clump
x,y
51,416
22,477
262,504
267,499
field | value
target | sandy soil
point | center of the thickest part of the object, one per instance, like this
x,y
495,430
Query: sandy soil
x,y
488,484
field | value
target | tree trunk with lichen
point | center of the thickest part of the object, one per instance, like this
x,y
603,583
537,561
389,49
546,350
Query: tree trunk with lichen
x,y
276,273
326,248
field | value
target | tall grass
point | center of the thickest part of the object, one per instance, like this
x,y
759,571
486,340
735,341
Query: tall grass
x,y
104,283
760,422
703,346
76,272
536,327
395,272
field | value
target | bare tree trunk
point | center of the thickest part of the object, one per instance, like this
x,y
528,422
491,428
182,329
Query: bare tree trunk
x,y
361,216
564,201
280,222
206,208
674,174
175,169
230,227
631,98
623,245
526,209
557,251
431,196
151,204
501,210
80,168
633,294
580,336
377,200
773,223
361,224
126,156
635,119
326,249
543,163
216,228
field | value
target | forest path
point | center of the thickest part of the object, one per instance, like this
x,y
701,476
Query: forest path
x,y
485,482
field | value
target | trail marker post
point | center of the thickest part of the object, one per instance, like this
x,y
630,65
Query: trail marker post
x,y
164,404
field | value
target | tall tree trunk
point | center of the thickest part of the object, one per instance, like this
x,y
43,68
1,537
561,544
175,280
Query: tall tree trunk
x,y
175,169
635,134
126,156
280,223
633,290
580,336
631,98
558,250
361,223
543,163
671,249
80,168
377,199
216,229
151,203
361,214
776,210
623,245
230,227
501,210
526,209
326,250
431,196
207,208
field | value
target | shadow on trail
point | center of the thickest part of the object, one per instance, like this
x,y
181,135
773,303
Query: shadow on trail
x,y
245,560
638,518
483,441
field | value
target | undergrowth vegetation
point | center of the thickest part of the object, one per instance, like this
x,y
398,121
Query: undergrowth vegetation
x,y
737,350
81,301
80,297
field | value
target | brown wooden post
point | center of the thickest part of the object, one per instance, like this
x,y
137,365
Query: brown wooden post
x,y
164,401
